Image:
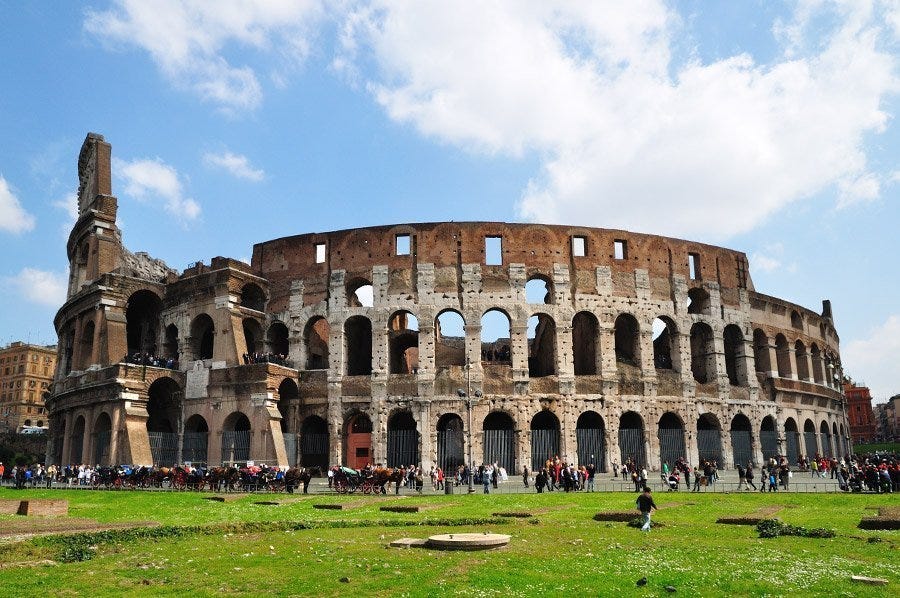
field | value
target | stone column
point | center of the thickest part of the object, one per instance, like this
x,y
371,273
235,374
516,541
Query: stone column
x,y
519,348
422,414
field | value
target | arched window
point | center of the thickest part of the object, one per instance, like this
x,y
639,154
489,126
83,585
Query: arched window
x,y
541,346
358,346
87,345
403,341
796,320
277,339
315,335
628,344
817,366
142,322
202,337
253,297
703,353
539,289
761,352
360,293
699,301
495,337
783,355
170,346
735,361
253,336
449,339
665,344
585,341
802,360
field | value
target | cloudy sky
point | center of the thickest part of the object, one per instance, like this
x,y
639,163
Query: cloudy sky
x,y
765,127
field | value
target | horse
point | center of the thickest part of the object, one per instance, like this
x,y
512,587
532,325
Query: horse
x,y
381,476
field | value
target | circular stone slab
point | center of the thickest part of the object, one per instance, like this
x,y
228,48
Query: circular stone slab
x,y
467,541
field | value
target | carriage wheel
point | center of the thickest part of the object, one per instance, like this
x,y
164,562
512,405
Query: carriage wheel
x,y
341,487
367,488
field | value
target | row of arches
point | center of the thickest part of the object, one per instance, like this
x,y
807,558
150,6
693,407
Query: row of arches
x,y
809,363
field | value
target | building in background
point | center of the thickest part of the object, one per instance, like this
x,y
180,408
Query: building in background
x,y
26,372
886,418
863,428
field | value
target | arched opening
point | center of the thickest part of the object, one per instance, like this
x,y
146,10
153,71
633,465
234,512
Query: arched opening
x,y
544,438
164,410
802,360
768,438
792,440
590,434
202,337
844,442
539,289
170,345
403,343
76,442
236,438
277,340
825,440
86,348
761,359
671,440
142,322
585,340
68,340
631,439
358,345
358,441
102,440
698,301
315,335
703,353
314,442
816,358
402,440
288,402
59,439
665,344
836,441
709,439
360,293
735,357
196,440
796,320
495,338
499,440
449,340
741,441
541,346
27,423
253,297
809,439
628,342
783,356
450,443
253,336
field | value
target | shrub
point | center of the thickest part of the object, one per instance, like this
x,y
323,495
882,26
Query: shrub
x,y
772,528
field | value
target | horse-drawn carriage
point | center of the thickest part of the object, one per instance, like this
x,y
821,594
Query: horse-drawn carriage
x,y
347,480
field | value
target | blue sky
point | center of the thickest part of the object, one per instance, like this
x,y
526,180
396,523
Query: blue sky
x,y
768,128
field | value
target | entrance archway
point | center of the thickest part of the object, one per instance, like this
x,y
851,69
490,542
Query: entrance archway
x,y
591,436
709,439
499,440
164,413
76,443
236,438
402,440
450,443
741,441
671,440
314,442
768,438
102,440
544,438
358,441
631,439
196,440
792,440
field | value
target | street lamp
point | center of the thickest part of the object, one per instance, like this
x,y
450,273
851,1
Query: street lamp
x,y
467,395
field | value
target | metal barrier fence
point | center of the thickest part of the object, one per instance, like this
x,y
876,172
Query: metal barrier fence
x,y
631,445
500,446
741,447
544,445
671,445
591,447
402,448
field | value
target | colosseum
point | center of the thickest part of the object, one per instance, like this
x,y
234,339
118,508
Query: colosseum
x,y
417,343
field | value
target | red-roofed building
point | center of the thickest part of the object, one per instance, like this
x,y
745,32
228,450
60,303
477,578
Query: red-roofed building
x,y
859,411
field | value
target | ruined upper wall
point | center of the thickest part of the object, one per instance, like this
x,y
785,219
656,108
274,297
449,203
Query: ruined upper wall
x,y
448,245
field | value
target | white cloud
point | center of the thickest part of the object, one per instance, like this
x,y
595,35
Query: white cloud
x,y
862,189
188,40
628,137
147,180
69,205
239,166
873,360
13,217
40,286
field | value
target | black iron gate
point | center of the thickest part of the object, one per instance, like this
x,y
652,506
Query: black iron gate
x,y
827,450
741,447
810,441
403,448
450,450
194,447
591,447
313,450
768,439
671,446
792,439
101,448
709,446
631,446
236,446
290,447
544,445
500,446
163,448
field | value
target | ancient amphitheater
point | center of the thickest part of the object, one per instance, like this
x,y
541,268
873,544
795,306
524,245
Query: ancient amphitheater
x,y
398,344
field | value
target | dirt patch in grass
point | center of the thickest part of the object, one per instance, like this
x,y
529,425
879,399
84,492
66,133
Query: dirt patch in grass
x,y
409,508
16,530
888,519
615,516
753,518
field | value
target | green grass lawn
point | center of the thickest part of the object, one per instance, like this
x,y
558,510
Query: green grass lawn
x,y
559,550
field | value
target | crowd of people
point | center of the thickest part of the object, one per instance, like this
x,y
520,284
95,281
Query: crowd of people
x,y
276,358
151,360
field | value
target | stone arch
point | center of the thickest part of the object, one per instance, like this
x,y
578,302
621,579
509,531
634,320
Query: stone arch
x,y
761,352
277,339
315,336
796,320
76,442
783,355
539,289
170,344
495,347
825,440
450,443
253,336
541,346
703,353
499,444
196,440
357,440
672,448
792,440
545,437
314,442
628,340
402,439
585,343
741,440
802,360
699,301
358,345
590,433
102,435
665,344
449,339
809,439
631,439
86,344
735,358
142,321
360,293
164,412
288,401
403,343
768,438
818,375
836,441
236,432
709,439
253,297
203,333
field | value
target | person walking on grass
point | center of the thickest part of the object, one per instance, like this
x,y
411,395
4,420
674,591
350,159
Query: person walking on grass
x,y
645,504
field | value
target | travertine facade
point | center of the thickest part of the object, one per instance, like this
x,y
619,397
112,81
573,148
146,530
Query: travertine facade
x,y
636,346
